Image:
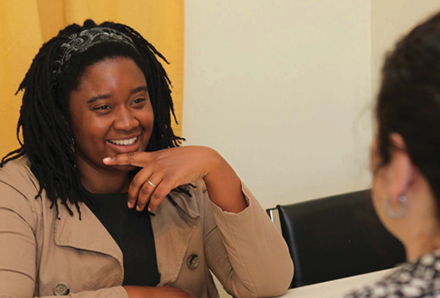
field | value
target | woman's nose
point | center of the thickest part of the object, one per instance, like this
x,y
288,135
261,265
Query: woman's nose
x,y
125,120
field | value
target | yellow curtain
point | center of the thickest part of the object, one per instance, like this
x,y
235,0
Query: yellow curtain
x,y
26,24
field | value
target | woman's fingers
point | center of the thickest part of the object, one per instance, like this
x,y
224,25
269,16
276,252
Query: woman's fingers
x,y
164,170
137,159
153,193
147,187
141,187
138,185
146,191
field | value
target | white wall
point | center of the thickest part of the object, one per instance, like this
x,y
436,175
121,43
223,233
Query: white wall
x,y
282,90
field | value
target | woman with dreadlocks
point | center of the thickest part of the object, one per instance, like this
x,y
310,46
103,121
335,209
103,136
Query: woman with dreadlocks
x,y
100,200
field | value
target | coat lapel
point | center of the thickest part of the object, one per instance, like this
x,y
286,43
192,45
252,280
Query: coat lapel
x,y
174,224
85,234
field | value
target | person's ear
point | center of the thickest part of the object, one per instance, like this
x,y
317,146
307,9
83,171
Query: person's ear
x,y
401,169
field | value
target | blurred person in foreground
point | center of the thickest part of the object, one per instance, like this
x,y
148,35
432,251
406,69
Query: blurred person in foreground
x,y
405,162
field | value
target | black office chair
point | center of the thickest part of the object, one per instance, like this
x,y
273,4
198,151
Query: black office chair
x,y
336,237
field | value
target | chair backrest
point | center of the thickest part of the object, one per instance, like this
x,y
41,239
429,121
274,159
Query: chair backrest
x,y
336,237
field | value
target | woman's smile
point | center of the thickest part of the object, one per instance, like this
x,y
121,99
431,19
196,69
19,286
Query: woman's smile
x,y
124,142
124,145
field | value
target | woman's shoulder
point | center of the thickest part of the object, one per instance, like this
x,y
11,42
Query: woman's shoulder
x,y
16,177
420,278
18,173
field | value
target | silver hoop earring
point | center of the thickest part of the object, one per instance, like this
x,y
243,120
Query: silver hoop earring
x,y
402,207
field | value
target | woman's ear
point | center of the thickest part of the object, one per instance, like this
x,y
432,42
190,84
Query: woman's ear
x,y
400,170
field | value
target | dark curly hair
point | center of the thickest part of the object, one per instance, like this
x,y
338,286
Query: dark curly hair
x,y
409,100
45,116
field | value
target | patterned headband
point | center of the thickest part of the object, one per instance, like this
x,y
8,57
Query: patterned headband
x,y
86,39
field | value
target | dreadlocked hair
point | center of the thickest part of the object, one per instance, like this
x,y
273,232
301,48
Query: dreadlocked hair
x,y
45,117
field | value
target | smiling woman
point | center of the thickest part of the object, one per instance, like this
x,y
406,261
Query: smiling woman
x,y
98,157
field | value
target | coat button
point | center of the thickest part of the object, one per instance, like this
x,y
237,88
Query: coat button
x,y
61,289
193,262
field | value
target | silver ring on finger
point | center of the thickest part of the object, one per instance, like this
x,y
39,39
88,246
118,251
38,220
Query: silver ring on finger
x,y
151,183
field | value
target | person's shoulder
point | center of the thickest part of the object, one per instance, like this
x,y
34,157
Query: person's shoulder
x,y
16,164
18,175
380,288
419,278
18,190
19,168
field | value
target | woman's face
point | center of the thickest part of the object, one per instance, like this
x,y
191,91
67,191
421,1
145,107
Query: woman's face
x,y
110,112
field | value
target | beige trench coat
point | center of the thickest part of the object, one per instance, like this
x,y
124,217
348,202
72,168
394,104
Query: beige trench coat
x,y
40,254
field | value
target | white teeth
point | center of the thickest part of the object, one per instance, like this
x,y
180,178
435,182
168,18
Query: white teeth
x,y
126,142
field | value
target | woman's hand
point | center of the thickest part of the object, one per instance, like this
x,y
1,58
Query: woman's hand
x,y
153,292
164,170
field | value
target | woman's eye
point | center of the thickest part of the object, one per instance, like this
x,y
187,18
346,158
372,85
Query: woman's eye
x,y
103,107
138,100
